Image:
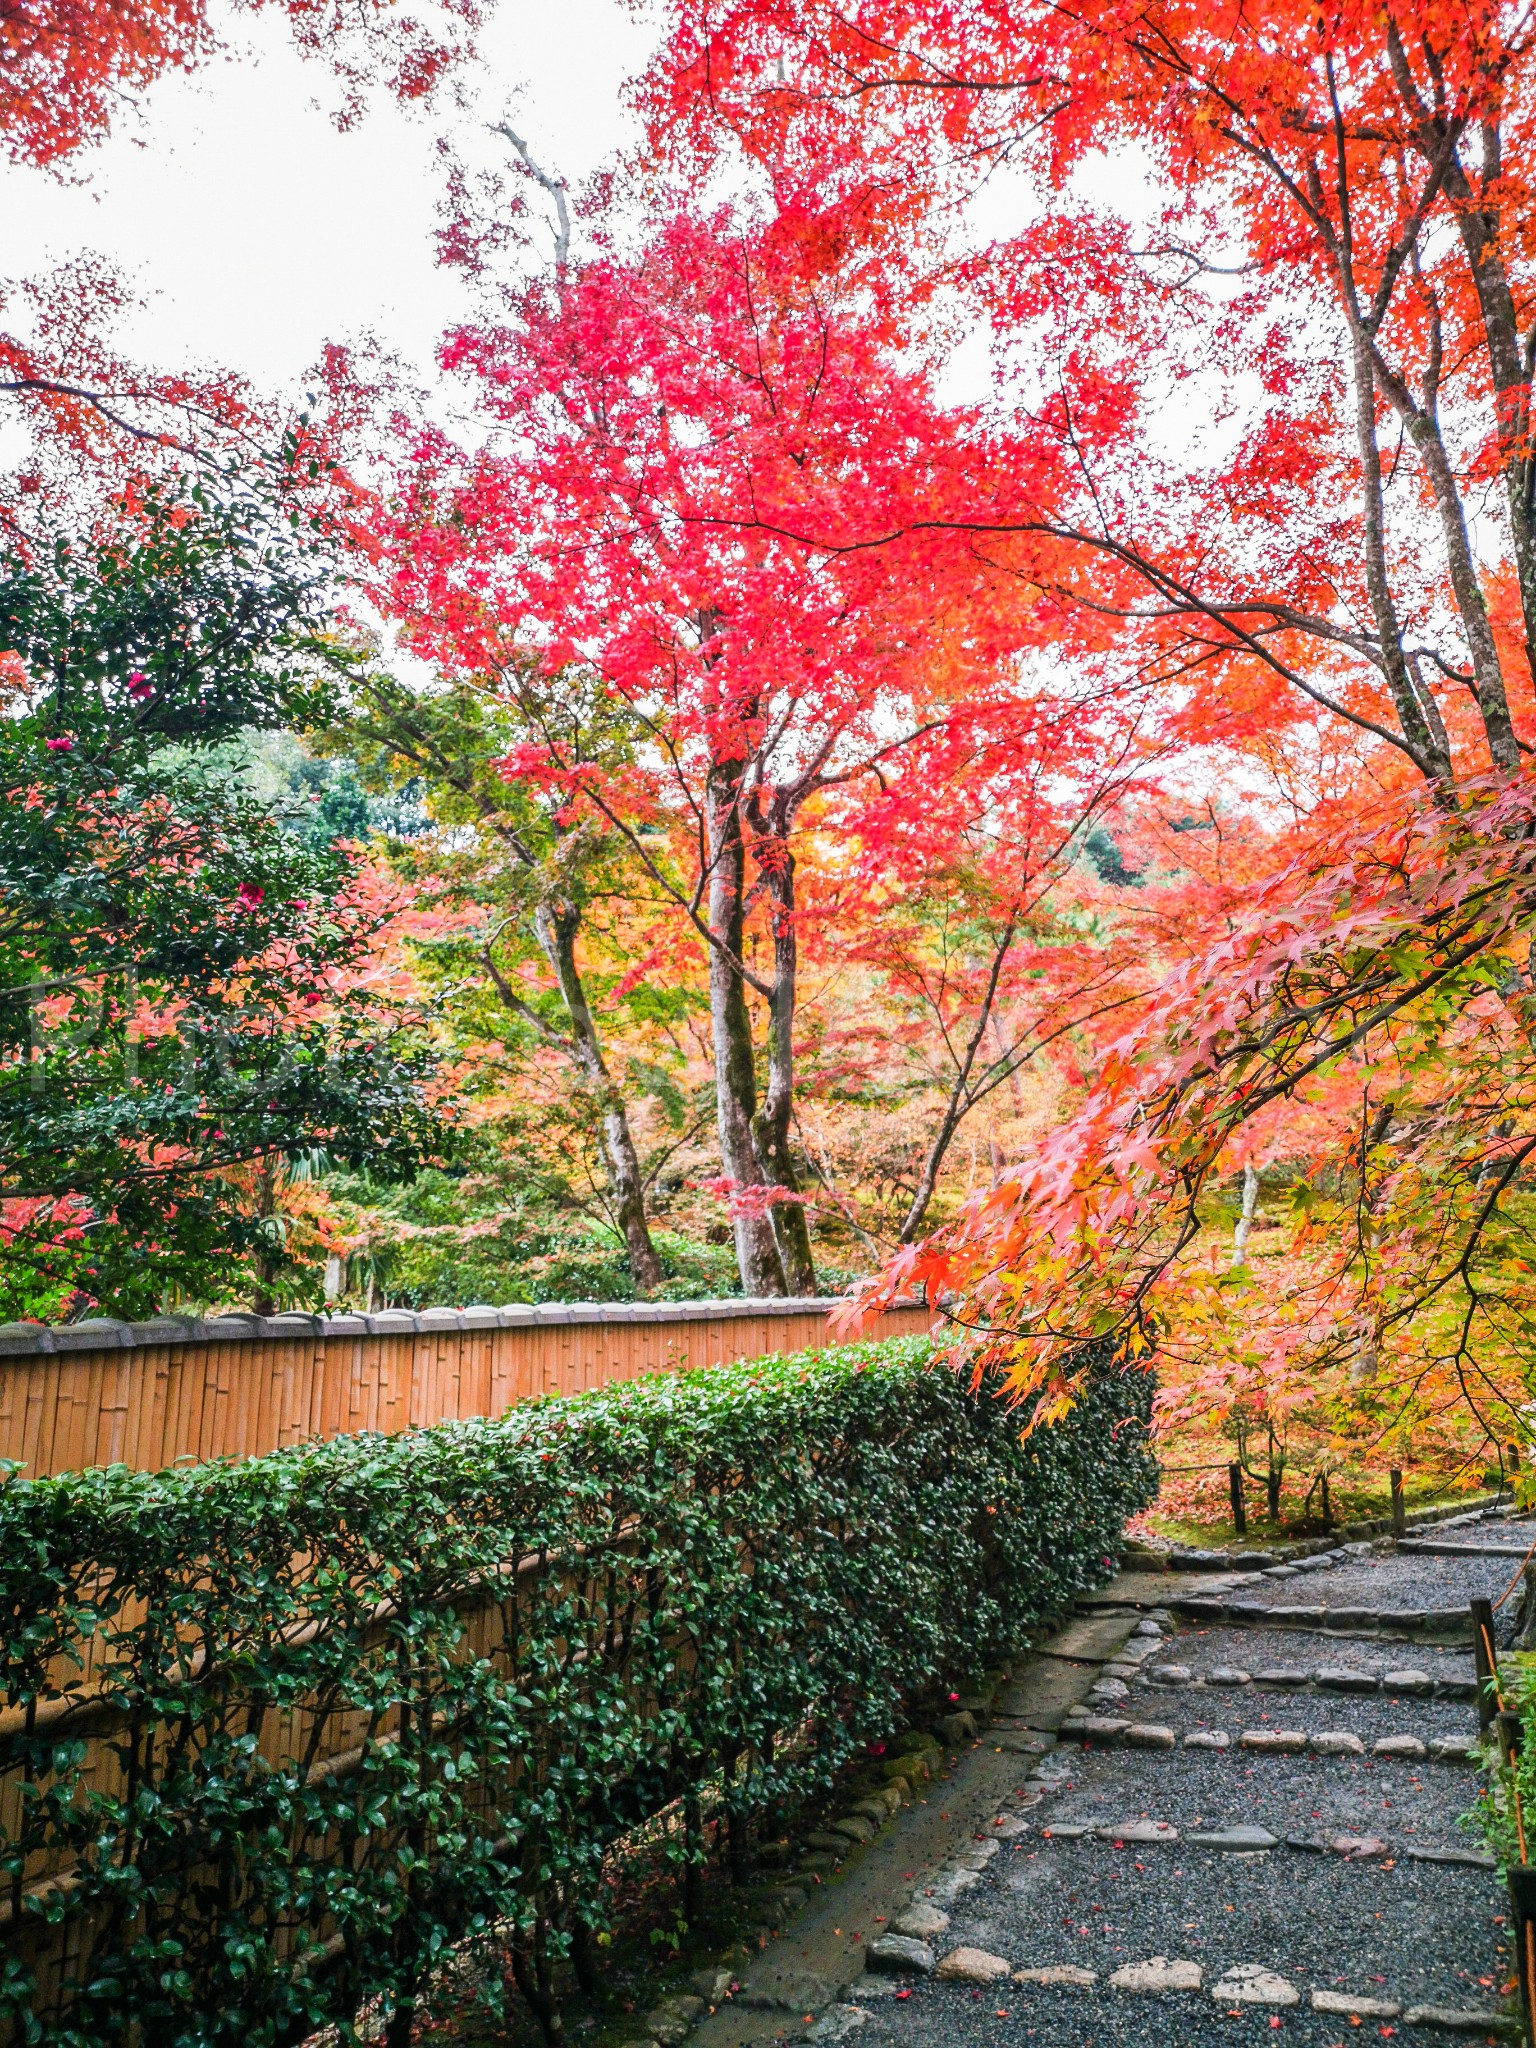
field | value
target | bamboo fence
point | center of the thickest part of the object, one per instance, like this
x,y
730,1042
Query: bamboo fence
x,y
149,1394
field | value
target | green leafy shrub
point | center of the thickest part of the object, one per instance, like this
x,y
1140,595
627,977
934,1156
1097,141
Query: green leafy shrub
x,y
519,1265
1511,1782
358,1701
451,1239
182,1011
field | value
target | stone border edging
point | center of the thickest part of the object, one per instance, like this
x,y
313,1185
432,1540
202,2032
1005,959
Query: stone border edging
x,y
1109,1731
1312,1685
104,1333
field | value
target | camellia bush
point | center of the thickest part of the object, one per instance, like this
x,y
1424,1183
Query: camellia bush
x,y
277,1735
193,996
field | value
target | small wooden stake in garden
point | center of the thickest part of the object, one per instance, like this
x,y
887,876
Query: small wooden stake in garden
x,y
1239,1505
1399,1521
1486,1663
1522,1901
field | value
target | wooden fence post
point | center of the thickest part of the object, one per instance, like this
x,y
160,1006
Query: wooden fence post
x,y
1239,1505
693,1864
1522,1904
1486,1663
1521,1876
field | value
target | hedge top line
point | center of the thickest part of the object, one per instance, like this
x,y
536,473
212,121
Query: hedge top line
x,y
102,1333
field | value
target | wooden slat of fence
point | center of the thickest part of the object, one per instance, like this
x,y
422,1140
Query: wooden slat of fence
x,y
151,1403
23,1412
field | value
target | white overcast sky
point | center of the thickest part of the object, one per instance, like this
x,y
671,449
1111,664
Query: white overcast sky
x,y
256,231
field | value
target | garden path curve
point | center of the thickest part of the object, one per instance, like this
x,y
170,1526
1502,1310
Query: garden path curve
x,y
1210,1810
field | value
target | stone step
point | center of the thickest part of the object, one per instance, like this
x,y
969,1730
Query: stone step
x,y
1402,1683
1430,1546
1447,1625
1104,1731
1137,1908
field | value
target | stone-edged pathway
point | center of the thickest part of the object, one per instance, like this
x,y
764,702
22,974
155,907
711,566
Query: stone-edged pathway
x,y
1180,1828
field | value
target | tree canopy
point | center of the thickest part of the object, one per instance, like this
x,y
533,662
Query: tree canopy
x,y
942,693
185,989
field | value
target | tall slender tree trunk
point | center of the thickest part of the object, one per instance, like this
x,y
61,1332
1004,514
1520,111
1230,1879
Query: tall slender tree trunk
x,y
1420,419
1405,699
1479,223
265,1262
556,925
1511,367
757,1248
771,1126
1487,670
1368,1342
1246,1214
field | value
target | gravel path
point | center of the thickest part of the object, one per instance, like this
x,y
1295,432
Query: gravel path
x,y
937,2017
1369,1716
1385,1923
1347,1876
1400,1581
1288,1795
1090,1904
1389,1926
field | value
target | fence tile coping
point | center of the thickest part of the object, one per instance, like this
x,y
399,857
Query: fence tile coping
x,y
102,1333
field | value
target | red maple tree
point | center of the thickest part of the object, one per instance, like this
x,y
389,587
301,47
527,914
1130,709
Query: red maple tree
x,y
694,453
68,66
1279,381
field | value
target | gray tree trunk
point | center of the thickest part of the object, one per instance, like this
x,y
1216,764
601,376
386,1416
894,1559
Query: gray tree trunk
x,y
771,1126
556,926
757,1248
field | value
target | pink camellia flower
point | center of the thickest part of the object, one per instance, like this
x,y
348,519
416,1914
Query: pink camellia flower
x,y
62,745
249,895
139,685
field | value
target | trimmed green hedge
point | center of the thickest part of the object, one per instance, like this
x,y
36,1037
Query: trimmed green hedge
x,y
372,1696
